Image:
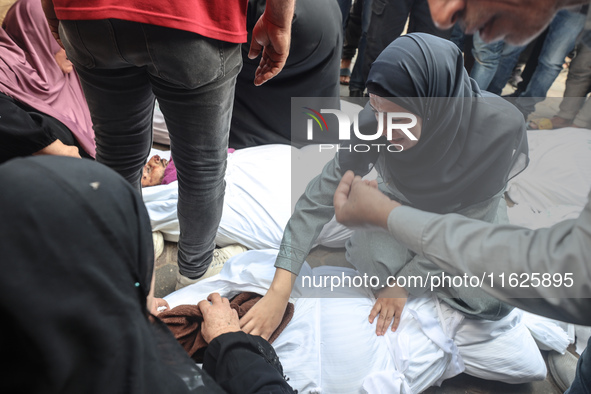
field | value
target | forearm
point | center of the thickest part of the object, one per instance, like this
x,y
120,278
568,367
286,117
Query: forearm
x,y
460,245
313,210
280,12
243,363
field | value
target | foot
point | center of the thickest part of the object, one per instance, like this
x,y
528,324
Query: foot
x,y
345,77
563,368
556,122
158,240
220,256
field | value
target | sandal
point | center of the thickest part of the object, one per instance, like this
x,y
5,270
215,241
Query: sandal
x,y
549,124
345,76
540,124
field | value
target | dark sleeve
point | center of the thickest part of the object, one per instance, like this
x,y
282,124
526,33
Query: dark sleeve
x,y
22,133
244,364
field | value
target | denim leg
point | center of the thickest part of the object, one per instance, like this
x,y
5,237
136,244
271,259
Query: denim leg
x,y
119,97
487,58
194,84
123,66
458,36
199,124
345,6
509,59
582,382
562,35
357,81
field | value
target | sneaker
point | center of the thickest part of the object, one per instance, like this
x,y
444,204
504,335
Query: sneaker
x,y
158,240
563,368
220,256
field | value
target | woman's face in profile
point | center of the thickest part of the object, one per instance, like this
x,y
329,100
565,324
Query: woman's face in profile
x,y
381,107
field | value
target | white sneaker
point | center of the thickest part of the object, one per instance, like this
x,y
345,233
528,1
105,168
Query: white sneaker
x,y
220,256
158,240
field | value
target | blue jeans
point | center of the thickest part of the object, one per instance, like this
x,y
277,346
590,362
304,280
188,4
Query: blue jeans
x,y
486,60
560,40
345,6
357,81
582,382
123,66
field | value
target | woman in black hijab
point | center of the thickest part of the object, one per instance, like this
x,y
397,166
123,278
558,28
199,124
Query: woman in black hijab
x,y
77,264
467,144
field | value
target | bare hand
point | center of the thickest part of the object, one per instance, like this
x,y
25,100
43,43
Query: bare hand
x,y
358,202
52,20
272,35
265,316
58,148
63,62
218,317
158,305
389,307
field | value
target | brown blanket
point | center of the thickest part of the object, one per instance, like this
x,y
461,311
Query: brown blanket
x,y
185,323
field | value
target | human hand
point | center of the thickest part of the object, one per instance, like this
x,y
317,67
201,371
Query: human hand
x,y
58,148
63,62
388,306
52,20
272,35
358,202
158,305
265,316
218,317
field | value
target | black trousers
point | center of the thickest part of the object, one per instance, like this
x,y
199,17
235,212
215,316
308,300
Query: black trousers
x,y
388,18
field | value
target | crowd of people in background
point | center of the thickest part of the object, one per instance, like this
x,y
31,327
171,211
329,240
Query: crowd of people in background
x,y
530,69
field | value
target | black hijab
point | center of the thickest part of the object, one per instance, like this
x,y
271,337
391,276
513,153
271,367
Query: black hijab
x,y
471,141
77,263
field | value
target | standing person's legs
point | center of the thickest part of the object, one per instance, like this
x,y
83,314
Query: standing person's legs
x,y
122,65
487,57
562,34
357,81
578,83
582,382
388,18
345,6
194,81
422,22
583,118
508,61
118,93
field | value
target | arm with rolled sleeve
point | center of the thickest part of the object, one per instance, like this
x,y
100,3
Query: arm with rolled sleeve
x,y
313,210
461,245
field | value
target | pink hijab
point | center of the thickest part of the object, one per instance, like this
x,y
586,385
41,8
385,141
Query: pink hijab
x,y
30,74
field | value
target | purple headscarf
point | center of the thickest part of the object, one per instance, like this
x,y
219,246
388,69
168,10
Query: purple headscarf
x,y
30,74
